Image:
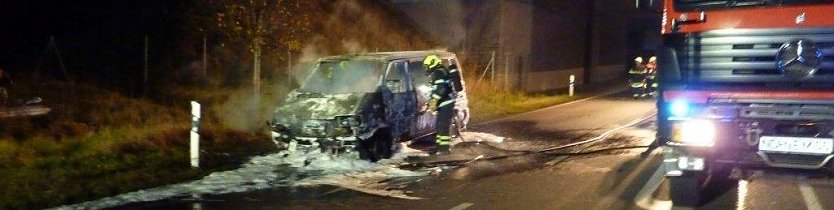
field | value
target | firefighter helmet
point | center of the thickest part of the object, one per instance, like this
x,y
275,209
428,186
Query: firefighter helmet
x,y
638,60
431,61
652,59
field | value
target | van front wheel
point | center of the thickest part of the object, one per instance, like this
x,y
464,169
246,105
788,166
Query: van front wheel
x,y
378,147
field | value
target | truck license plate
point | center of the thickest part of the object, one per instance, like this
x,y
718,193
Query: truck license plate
x,y
796,145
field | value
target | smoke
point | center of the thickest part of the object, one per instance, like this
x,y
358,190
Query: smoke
x,y
353,47
339,27
444,21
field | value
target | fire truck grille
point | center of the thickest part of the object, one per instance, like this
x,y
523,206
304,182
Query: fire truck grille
x,y
786,111
749,55
796,160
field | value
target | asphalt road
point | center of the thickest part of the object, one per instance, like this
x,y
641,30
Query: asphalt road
x,y
620,179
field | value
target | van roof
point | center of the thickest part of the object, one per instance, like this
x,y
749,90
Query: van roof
x,y
386,56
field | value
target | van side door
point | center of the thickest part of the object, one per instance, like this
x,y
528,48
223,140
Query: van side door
x,y
424,121
399,99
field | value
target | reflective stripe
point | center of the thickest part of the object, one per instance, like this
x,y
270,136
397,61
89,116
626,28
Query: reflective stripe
x,y
637,71
443,140
435,96
453,70
440,81
450,101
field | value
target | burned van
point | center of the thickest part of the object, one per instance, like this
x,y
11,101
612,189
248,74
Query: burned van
x,y
365,103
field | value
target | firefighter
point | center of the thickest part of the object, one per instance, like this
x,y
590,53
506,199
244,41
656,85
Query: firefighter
x,y
651,72
442,101
652,64
637,78
5,85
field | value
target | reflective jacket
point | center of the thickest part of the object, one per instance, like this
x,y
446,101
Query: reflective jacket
x,y
442,89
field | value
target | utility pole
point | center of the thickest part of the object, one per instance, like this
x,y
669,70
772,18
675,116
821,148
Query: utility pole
x,y
507,71
145,64
289,67
205,58
589,57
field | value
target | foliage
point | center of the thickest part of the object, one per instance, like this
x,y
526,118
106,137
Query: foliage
x,y
266,24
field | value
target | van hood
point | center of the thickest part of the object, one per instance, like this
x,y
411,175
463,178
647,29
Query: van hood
x,y
314,106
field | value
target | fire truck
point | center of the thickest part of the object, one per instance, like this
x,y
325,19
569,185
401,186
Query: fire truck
x,y
744,85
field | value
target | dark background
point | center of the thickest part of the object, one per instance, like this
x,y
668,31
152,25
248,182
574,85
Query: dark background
x,y
100,41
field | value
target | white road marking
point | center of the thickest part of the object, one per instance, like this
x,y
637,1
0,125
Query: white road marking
x,y
809,196
644,199
742,194
462,206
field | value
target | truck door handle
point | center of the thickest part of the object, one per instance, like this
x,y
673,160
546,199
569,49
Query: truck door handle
x,y
685,20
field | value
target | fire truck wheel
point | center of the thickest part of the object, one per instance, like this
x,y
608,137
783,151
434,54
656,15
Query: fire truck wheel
x,y
686,190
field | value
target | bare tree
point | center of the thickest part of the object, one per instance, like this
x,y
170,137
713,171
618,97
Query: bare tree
x,y
260,26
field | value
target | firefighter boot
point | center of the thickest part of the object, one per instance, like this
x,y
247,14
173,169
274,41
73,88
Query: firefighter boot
x,y
442,145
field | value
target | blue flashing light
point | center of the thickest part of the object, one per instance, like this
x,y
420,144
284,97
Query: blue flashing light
x,y
679,109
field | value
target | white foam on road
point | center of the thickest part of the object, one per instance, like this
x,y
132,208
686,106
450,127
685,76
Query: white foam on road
x,y
270,171
276,170
479,137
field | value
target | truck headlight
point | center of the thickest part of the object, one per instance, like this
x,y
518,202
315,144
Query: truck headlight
x,y
694,133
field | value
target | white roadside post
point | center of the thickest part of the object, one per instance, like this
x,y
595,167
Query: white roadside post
x,y
195,137
572,80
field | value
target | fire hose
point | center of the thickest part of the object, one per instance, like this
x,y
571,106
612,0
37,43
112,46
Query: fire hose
x,y
548,151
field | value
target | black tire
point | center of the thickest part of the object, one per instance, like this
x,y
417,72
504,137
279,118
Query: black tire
x,y
686,190
384,145
378,147
364,150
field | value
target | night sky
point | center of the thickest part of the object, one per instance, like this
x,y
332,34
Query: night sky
x,y
100,40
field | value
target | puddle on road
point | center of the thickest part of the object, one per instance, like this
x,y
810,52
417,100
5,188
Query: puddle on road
x,y
289,170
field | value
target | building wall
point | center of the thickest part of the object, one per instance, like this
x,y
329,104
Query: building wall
x,y
549,80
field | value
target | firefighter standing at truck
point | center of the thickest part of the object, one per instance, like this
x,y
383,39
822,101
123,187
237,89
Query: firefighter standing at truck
x,y
442,101
651,73
637,78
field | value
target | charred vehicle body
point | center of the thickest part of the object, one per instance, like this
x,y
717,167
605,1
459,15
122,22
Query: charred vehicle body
x,y
744,85
366,103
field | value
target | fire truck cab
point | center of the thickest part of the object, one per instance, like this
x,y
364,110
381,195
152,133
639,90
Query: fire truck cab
x,y
744,84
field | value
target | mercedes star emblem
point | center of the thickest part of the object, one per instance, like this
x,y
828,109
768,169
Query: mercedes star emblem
x,y
798,58
800,19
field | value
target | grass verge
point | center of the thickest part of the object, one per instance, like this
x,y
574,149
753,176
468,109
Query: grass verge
x,y
488,102
97,143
